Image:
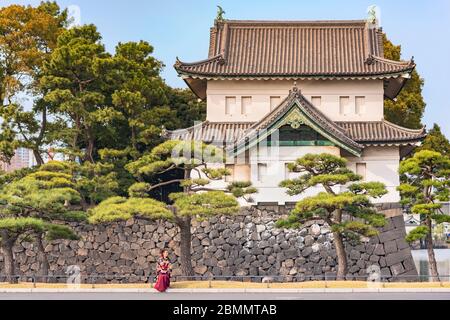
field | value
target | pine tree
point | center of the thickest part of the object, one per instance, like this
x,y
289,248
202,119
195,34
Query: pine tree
x,y
426,185
350,214
30,208
75,85
196,201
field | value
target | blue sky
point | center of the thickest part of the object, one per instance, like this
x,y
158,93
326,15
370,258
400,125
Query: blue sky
x,y
181,28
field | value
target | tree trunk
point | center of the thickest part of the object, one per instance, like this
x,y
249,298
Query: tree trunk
x,y
339,245
431,257
184,224
43,260
89,156
7,244
38,157
341,256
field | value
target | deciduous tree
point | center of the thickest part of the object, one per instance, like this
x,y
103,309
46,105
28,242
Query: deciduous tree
x,y
27,37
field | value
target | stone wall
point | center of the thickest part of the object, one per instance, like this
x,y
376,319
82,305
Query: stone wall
x,y
243,245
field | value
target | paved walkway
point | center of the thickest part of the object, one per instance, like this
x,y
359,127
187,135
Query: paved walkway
x,y
238,294
224,296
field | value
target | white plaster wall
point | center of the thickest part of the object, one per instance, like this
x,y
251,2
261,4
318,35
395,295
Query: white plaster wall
x,y
382,166
261,90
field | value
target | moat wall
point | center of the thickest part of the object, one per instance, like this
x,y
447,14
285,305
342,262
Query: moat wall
x,y
248,244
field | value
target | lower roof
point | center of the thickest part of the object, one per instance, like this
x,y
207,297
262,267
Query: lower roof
x,y
365,133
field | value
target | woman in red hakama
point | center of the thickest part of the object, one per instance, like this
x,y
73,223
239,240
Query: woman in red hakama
x,y
163,270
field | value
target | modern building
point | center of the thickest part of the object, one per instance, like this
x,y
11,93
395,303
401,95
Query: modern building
x,y
278,90
23,158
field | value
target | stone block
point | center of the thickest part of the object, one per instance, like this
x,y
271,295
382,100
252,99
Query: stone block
x,y
355,255
391,235
399,222
397,257
409,265
379,250
397,269
390,246
402,244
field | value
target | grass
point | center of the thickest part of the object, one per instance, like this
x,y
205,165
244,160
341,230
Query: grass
x,y
238,285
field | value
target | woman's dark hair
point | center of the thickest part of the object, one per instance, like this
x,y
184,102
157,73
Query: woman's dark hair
x,y
162,252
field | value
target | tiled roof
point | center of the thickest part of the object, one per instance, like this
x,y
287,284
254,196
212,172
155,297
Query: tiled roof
x,y
210,132
366,133
295,49
381,132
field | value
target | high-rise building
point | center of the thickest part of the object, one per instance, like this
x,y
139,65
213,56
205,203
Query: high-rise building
x,y
23,158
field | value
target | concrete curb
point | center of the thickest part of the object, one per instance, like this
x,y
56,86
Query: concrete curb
x,y
253,291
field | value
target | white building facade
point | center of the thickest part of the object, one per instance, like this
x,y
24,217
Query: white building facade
x,y
278,90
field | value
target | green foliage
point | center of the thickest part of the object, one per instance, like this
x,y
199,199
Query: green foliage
x,y
319,169
21,225
372,189
55,232
32,202
96,182
349,213
425,186
27,37
241,189
202,205
436,141
408,109
74,81
121,209
171,155
416,234
139,190
189,109
74,216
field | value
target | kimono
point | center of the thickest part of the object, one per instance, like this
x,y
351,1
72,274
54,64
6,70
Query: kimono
x,y
163,269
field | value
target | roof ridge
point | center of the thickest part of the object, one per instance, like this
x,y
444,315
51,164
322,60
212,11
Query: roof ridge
x,y
179,63
305,22
400,63
201,124
310,110
423,130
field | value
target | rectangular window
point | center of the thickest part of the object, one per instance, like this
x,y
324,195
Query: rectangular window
x,y
344,104
246,105
262,172
316,101
361,169
274,102
230,105
360,103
